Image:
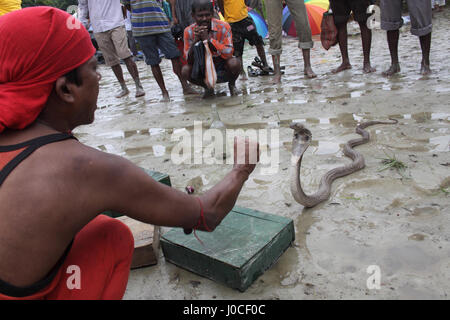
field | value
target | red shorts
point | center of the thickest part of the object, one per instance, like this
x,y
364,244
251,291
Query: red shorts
x,y
96,267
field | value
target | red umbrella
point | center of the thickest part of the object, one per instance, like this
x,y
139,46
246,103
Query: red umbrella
x,y
314,9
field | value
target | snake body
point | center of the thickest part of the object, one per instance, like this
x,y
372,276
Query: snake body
x,y
302,139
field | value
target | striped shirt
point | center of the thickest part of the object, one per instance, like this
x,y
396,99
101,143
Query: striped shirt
x,y
221,39
148,17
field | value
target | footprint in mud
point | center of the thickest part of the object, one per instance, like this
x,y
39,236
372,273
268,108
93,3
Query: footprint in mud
x,y
417,237
425,212
261,182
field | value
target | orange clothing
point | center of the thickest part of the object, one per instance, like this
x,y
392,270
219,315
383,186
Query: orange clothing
x,y
221,39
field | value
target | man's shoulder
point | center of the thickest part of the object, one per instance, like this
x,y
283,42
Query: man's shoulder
x,y
220,22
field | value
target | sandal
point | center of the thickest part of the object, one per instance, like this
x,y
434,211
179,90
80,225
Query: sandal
x,y
252,72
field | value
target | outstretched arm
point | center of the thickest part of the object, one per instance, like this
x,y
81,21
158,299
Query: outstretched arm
x,y
128,189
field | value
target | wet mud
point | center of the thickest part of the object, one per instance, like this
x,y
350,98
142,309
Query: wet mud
x,y
397,220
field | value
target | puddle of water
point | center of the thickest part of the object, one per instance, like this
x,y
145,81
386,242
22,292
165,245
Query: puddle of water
x,y
297,101
327,147
442,144
356,94
354,85
159,150
112,134
156,131
440,116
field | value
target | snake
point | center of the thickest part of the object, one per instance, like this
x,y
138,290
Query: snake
x,y
300,142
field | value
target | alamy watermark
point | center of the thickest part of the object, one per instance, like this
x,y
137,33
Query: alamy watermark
x,y
74,280
373,22
73,22
214,146
374,281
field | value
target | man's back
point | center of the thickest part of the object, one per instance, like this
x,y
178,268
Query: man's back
x,y
41,220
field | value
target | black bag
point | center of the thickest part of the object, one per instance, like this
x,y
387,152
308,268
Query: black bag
x,y
198,68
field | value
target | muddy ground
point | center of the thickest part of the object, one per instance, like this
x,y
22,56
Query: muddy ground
x,y
399,221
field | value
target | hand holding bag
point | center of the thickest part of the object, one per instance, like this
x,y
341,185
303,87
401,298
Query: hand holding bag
x,y
328,35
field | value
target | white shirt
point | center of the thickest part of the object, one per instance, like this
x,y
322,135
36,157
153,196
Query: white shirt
x,y
104,15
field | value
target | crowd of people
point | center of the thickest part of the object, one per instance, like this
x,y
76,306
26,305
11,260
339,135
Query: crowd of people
x,y
174,34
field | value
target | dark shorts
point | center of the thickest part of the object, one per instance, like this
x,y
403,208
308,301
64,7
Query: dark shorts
x,y
244,29
342,8
162,41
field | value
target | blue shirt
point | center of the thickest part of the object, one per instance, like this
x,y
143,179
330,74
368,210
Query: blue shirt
x,y
148,17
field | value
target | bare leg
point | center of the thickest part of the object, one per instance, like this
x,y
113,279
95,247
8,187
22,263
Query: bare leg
x,y
133,70
366,37
186,72
342,38
392,37
176,67
307,64
117,69
276,69
242,72
425,44
262,55
233,68
156,70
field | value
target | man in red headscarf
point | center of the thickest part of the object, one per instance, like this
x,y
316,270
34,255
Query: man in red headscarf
x,y
52,187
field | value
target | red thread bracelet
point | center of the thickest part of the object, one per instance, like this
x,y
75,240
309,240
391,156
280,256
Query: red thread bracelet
x,y
201,220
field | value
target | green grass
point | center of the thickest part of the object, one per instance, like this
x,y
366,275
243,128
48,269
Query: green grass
x,y
391,162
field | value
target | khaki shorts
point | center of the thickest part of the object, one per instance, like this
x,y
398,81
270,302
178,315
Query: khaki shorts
x,y
114,45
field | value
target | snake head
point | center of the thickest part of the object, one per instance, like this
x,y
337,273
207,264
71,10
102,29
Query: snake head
x,y
301,140
301,134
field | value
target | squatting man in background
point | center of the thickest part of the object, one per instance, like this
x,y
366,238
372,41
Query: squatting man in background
x,y
219,37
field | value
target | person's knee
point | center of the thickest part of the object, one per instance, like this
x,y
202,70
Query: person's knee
x,y
186,72
118,233
234,65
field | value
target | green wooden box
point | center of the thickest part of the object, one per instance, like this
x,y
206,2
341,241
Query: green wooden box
x,y
240,249
158,176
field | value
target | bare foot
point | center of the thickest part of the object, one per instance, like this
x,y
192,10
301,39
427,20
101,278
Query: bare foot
x,y
209,93
139,92
189,90
276,78
309,73
368,68
165,97
425,69
122,93
393,69
233,90
243,76
342,67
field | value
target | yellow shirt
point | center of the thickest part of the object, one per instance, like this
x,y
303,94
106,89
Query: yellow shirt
x,y
9,5
235,10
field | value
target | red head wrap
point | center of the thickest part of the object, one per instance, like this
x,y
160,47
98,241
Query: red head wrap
x,y
37,46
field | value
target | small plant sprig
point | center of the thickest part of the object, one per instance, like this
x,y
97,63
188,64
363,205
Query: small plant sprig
x,y
391,162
